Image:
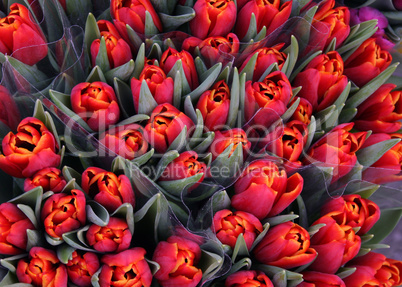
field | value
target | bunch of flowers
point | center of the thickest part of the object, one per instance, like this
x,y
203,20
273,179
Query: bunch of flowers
x,y
198,143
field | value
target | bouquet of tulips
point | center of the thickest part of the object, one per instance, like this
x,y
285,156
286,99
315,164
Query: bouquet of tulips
x,y
200,142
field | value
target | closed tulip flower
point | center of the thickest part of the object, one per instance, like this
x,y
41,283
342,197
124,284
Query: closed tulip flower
x,y
22,37
249,278
303,112
96,103
214,106
31,149
318,279
161,87
213,18
285,245
178,258
264,189
13,227
107,188
126,268
9,113
228,225
269,14
42,268
49,178
81,267
223,139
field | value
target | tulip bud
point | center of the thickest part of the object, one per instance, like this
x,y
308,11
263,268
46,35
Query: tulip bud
x,y
81,267
48,178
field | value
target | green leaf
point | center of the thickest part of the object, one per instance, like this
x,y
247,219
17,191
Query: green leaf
x,y
291,59
167,158
332,120
189,109
34,238
303,64
260,236
31,199
53,241
146,103
252,29
363,188
290,111
347,115
91,31
386,224
96,75
150,28
210,263
365,30
29,212
11,262
369,155
135,39
240,248
203,146
134,119
213,74
102,60
177,187
234,99
177,90
122,72
275,220
271,68
248,69
311,129
64,253
139,61
141,160
180,142
344,272
183,15
230,163
302,211
315,228
96,213
125,98
178,67
126,211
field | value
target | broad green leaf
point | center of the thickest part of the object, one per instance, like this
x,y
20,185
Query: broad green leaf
x,y
248,69
229,162
102,60
64,253
167,158
146,103
96,75
143,159
125,98
183,15
126,211
271,68
275,220
252,29
315,228
290,111
303,64
369,155
178,67
291,59
344,272
203,146
177,187
177,90
180,142
213,74
31,199
240,248
386,224
364,189
96,213
122,72
135,39
234,99
91,31
150,28
139,61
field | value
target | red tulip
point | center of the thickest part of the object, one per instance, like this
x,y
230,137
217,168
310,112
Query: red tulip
x,y
132,13
228,225
127,141
118,51
96,103
303,111
367,62
81,267
271,96
337,149
322,80
318,279
269,14
62,213
336,20
374,269
266,57
285,245
42,268
213,18
264,189
9,113
13,229
31,149
127,268
249,278
169,59
165,125
177,258
352,210
223,139
381,112
49,178
335,244
114,237
388,167
161,87
214,49
214,106
21,37
107,188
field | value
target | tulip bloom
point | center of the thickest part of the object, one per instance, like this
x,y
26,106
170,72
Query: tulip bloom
x,y
214,49
31,149
335,244
337,149
186,165
381,112
21,37
62,213
374,269
285,245
388,167
96,103
114,237
107,188
269,14
42,268
223,139
81,267
13,229
161,87
118,51
128,141
49,178
264,189
313,279
169,59
354,211
228,225
165,125
271,96
213,18
248,278
336,20
127,268
303,112
132,13
266,56
322,80
214,105
9,113
367,62
177,258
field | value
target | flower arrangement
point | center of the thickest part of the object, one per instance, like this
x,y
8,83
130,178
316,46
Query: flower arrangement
x,y
199,142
